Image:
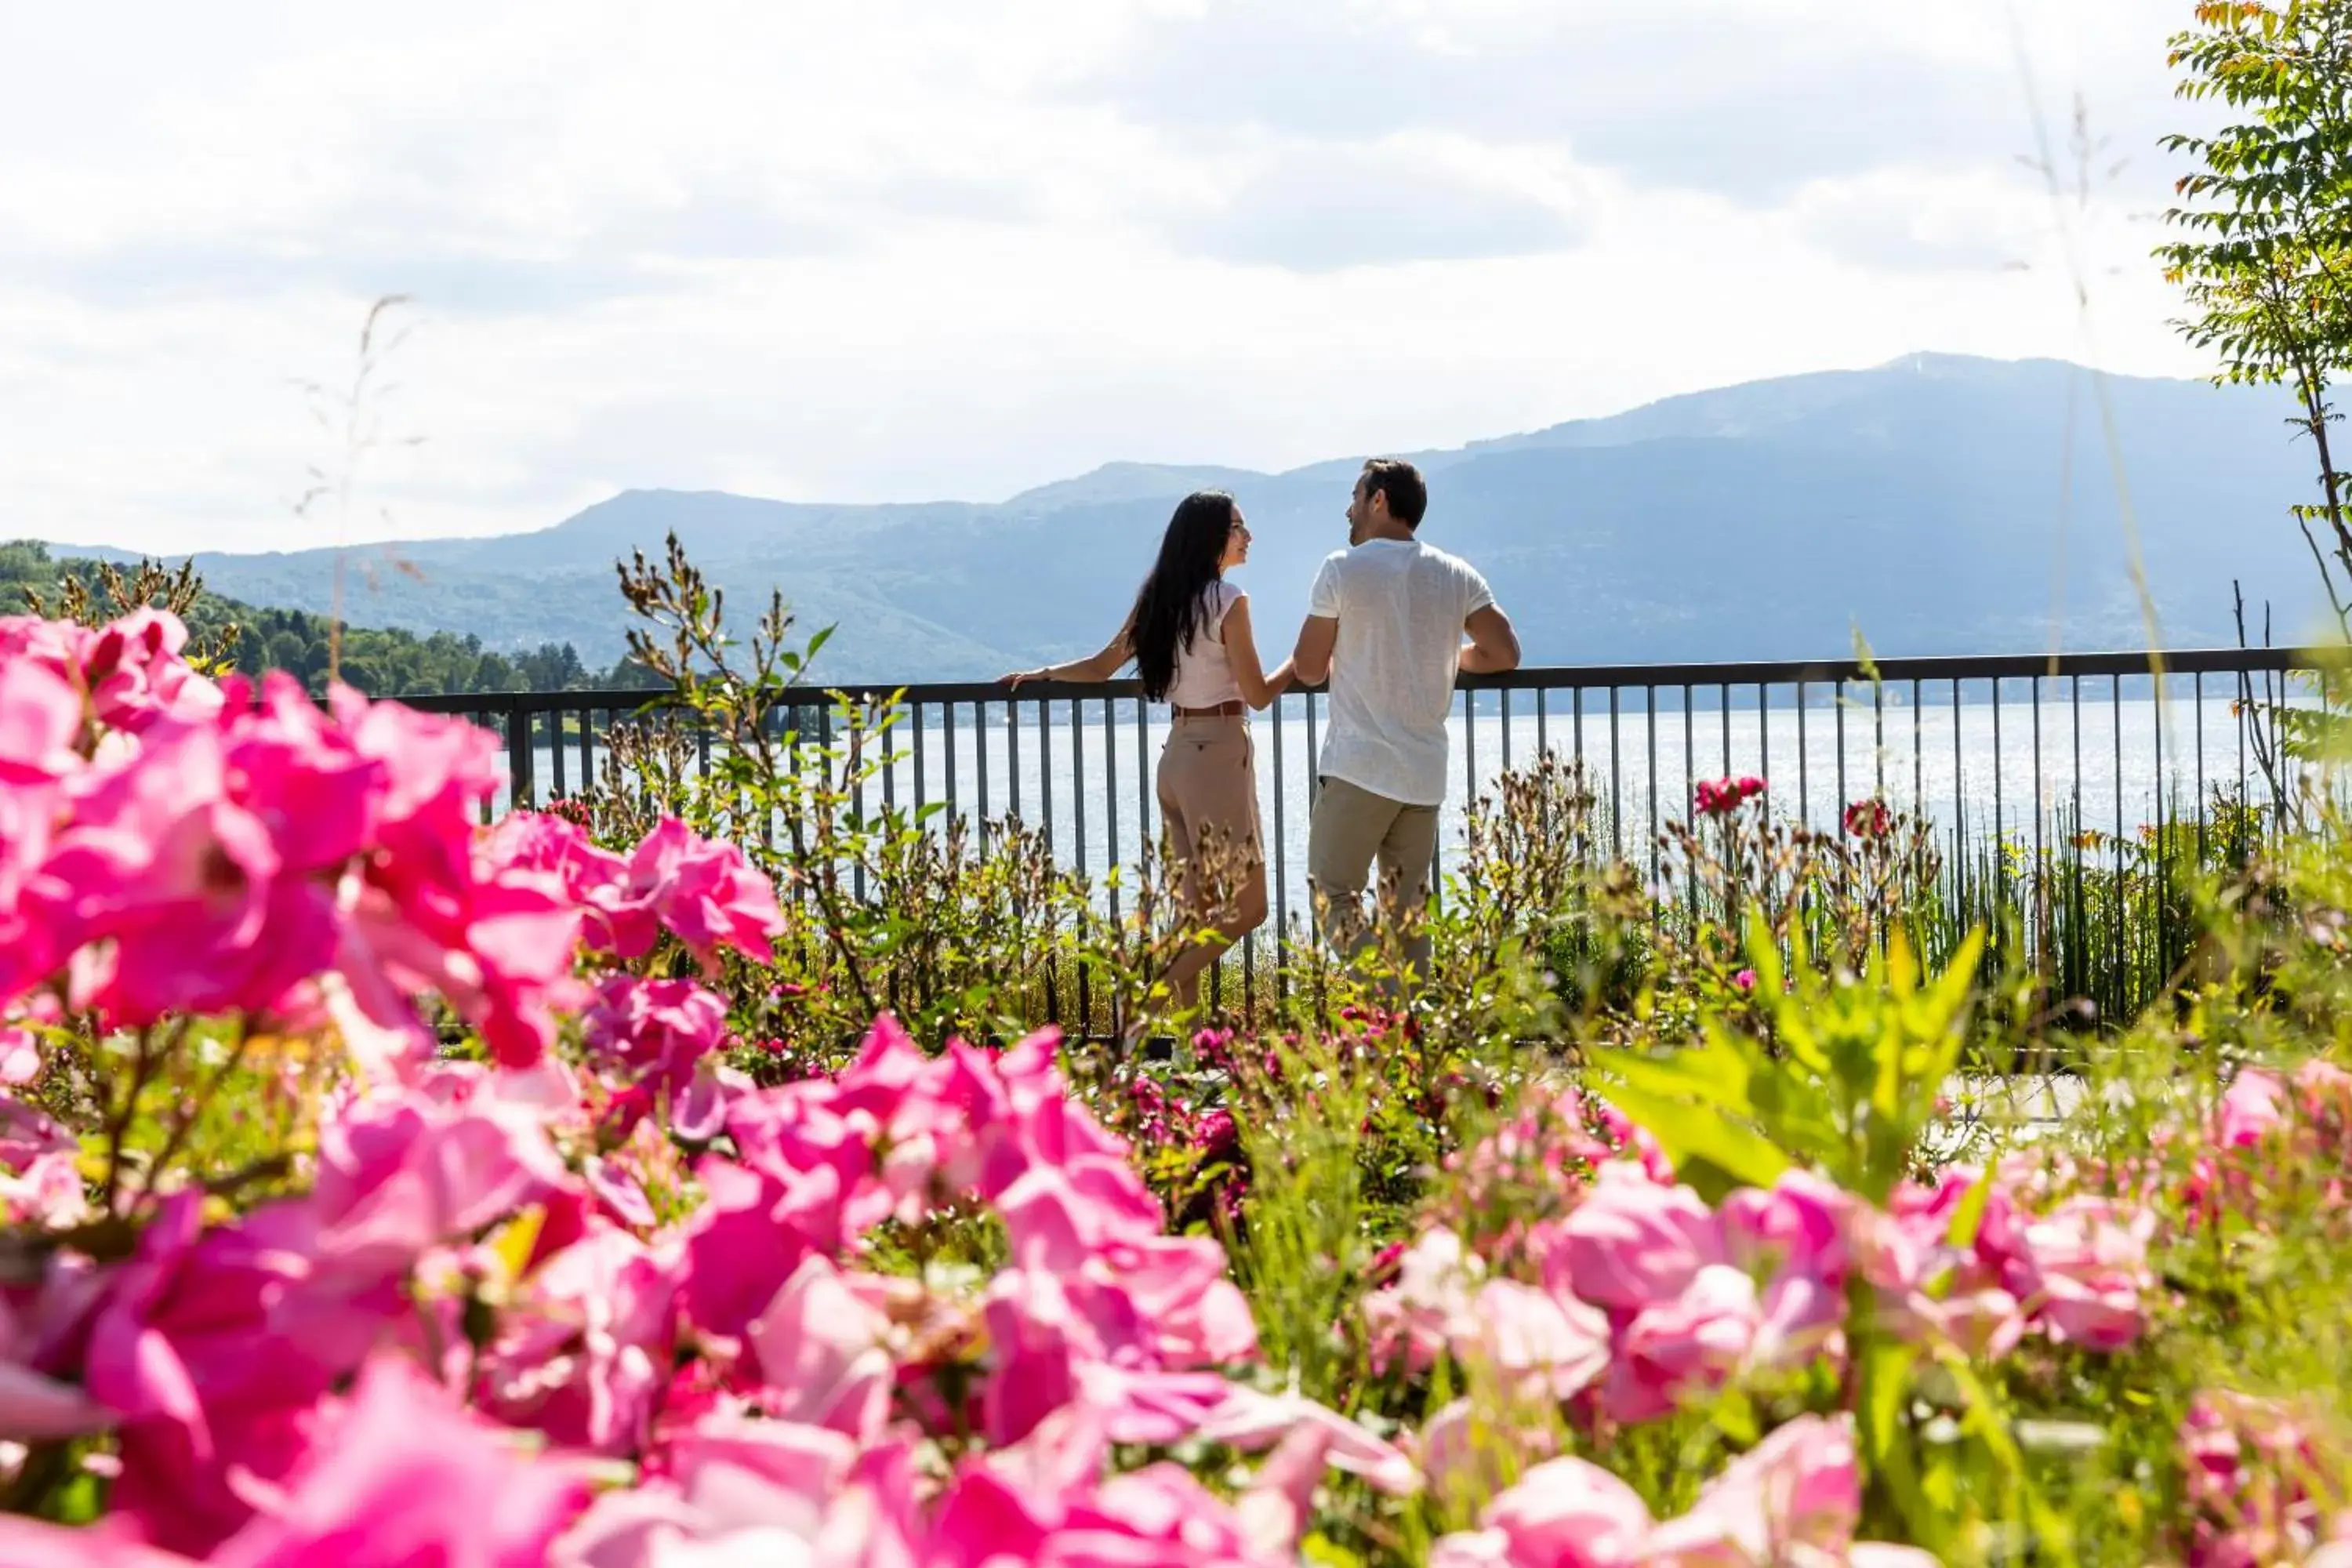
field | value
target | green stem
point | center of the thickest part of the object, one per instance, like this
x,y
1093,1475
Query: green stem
x,y
118,1129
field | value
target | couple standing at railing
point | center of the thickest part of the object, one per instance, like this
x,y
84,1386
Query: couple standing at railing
x,y
1391,620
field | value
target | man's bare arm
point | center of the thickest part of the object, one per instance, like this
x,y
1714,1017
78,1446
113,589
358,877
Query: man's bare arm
x,y
1494,647
1311,661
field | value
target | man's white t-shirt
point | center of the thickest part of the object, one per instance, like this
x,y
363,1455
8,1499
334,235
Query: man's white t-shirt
x,y
1400,605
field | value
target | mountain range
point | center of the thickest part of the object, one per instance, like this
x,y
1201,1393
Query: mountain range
x,y
1936,504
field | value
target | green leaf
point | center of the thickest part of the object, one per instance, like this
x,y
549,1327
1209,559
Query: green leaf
x,y
1985,1420
1861,655
1715,1072
1886,1455
1711,1152
1734,1417
1968,1217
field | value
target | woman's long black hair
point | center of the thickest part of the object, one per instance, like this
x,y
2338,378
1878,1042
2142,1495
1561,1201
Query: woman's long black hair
x,y
1168,609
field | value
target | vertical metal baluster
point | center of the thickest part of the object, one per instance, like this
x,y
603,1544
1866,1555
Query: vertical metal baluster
x,y
1616,809
2075,697
2198,697
1281,855
1046,770
1110,801
1543,728
782,718
1314,791
2282,774
1249,977
488,811
2163,840
587,750
1146,846
526,786
2115,702
2245,700
1919,752
1575,704
1249,942
1469,745
888,757
1650,745
489,719
555,747
1690,787
948,746
1837,698
1878,737
1469,780
519,738
2115,695
2041,802
887,739
1723,713
858,736
1804,790
2000,854
1085,1018
1690,750
1314,756
1506,698
921,745
1763,730
1959,803
1012,757
980,728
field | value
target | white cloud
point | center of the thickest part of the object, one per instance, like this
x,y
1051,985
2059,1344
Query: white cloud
x,y
1321,206
901,250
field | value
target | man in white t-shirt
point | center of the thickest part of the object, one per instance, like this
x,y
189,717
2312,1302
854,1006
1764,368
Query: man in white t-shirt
x,y
1387,621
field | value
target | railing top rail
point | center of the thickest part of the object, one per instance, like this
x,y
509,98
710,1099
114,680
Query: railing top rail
x,y
1735,673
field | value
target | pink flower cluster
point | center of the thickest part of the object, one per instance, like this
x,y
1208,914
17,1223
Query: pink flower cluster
x,y
704,892
391,1476
811,1386
169,846
1642,1298
2263,1486
40,1170
1534,1166
1721,798
2269,1129
1213,1178
521,1247
1796,1496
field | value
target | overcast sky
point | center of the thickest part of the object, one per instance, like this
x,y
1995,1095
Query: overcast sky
x,y
868,249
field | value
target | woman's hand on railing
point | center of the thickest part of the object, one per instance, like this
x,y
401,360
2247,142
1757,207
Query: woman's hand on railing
x,y
1021,677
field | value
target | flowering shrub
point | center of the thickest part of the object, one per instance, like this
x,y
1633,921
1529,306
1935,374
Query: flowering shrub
x,y
386,1187
593,1231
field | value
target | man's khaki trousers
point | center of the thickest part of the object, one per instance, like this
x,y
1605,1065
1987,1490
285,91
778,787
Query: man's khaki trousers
x,y
1350,829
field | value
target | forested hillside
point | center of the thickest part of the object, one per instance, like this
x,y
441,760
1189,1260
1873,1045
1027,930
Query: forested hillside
x,y
379,661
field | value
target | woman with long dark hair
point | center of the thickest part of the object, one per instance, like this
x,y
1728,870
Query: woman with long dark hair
x,y
1189,636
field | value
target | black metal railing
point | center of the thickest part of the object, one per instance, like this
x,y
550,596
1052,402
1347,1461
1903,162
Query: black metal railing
x,y
1992,749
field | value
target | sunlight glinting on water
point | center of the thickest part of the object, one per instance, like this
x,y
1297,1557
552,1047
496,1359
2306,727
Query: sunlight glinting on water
x,y
2019,767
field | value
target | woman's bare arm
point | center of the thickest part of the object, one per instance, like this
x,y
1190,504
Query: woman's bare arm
x,y
1259,688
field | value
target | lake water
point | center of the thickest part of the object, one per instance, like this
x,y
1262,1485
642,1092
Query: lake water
x,y
1966,767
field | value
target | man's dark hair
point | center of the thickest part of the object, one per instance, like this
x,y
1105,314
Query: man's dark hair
x,y
1401,483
